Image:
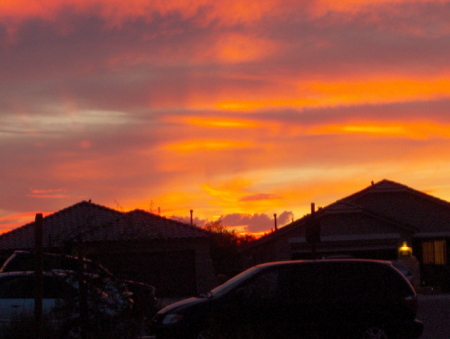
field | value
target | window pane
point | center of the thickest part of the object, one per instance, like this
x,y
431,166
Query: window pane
x,y
434,252
440,252
428,252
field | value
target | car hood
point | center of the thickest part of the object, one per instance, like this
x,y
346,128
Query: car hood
x,y
180,305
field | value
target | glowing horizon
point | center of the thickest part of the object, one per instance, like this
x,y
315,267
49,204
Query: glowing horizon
x,y
228,109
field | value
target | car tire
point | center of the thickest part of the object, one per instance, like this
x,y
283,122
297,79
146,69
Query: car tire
x,y
375,332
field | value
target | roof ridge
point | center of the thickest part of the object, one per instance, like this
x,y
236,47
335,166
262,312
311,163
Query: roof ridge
x,y
56,214
174,221
389,185
141,221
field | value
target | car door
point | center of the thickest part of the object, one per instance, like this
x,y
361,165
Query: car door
x,y
251,309
13,297
17,293
24,287
304,300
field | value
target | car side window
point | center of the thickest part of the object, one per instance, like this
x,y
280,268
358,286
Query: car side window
x,y
306,284
326,282
23,287
19,287
262,287
5,288
56,288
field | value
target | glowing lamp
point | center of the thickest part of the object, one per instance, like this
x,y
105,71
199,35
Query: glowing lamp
x,y
405,250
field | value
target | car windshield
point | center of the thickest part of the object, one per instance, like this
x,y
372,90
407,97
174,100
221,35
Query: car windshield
x,y
235,281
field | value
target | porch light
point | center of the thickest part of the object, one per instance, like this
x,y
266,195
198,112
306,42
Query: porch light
x,y
405,250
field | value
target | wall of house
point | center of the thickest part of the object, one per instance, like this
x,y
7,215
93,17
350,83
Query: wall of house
x,y
428,214
356,234
176,268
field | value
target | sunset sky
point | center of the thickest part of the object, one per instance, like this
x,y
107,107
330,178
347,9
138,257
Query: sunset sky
x,y
232,108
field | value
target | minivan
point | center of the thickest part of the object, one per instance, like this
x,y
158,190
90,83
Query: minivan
x,y
338,298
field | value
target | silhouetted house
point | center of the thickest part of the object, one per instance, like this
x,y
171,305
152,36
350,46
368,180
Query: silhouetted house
x,y
384,221
170,255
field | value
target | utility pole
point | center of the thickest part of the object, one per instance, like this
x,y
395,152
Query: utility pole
x,y
82,288
312,231
38,277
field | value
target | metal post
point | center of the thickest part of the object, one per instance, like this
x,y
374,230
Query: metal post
x,y
84,317
313,210
39,283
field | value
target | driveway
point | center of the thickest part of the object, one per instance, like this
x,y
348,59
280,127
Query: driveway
x,y
434,311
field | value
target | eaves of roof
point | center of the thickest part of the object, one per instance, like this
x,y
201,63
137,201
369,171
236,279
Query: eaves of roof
x,y
139,224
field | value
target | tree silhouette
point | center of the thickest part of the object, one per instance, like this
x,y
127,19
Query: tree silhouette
x,y
224,248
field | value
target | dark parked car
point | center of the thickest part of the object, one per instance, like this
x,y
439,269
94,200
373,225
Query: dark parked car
x,y
403,269
300,299
143,295
105,301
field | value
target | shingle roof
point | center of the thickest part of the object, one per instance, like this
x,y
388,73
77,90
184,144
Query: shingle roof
x,y
60,226
348,205
427,214
388,186
97,223
343,206
139,224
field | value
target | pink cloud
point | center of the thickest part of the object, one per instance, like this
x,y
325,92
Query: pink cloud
x,y
260,196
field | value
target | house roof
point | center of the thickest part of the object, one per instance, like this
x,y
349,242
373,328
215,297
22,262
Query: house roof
x,y
353,204
388,186
344,207
139,224
97,223
427,214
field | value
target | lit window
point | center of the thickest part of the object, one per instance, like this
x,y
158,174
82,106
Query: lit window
x,y
434,252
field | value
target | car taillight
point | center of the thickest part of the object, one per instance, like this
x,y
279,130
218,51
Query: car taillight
x,y
411,303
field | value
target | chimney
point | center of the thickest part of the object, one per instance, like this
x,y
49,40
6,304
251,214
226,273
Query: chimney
x,y
275,220
192,221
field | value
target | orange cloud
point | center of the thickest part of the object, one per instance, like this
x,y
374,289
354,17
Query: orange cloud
x,y
379,90
227,191
220,122
328,93
86,169
236,194
415,130
250,105
233,47
116,12
206,145
226,12
259,197
51,194
321,7
45,192
16,220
